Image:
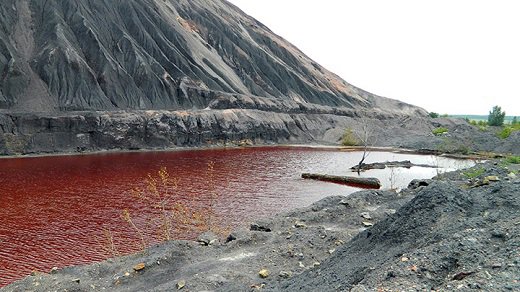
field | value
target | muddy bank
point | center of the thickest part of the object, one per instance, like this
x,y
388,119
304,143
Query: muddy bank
x,y
447,233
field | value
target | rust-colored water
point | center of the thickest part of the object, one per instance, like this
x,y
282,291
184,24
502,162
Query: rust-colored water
x,y
53,210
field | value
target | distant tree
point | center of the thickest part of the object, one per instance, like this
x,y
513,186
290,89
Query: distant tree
x,y
514,122
434,115
496,116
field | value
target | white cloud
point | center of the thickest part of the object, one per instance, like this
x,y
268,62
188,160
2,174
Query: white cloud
x,y
456,56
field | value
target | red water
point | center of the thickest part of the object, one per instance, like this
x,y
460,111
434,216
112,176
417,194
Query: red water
x,y
53,210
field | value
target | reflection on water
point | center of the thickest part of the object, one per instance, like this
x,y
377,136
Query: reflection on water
x,y
53,209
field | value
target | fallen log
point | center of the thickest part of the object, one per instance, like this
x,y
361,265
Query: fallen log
x,y
383,165
361,182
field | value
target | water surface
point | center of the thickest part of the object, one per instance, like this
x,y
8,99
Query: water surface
x,y
53,210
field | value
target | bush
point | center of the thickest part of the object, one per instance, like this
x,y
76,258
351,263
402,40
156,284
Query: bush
x,y
349,139
513,159
496,116
439,131
434,115
505,133
474,173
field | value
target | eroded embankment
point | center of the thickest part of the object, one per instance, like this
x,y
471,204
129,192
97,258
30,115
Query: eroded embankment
x,y
81,132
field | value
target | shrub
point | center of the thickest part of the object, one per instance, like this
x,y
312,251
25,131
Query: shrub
x,y
349,139
170,218
513,159
473,173
434,115
439,131
496,116
505,132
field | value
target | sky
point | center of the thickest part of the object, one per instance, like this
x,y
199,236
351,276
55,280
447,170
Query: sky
x,y
449,57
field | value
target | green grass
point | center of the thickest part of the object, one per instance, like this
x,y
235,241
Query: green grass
x,y
513,159
473,173
439,131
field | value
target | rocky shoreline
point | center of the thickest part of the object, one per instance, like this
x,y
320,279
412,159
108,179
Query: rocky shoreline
x,y
449,233
86,132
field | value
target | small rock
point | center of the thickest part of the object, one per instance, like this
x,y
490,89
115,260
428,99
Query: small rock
x,y
496,265
264,273
301,265
299,224
76,280
284,274
207,238
316,264
366,215
54,270
416,183
127,274
404,259
499,234
257,286
460,276
367,224
390,211
231,237
139,267
331,251
258,227
492,178
390,274
181,284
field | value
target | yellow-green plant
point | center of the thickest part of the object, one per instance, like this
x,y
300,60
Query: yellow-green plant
x,y
513,159
349,139
474,173
439,131
108,244
505,132
168,215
